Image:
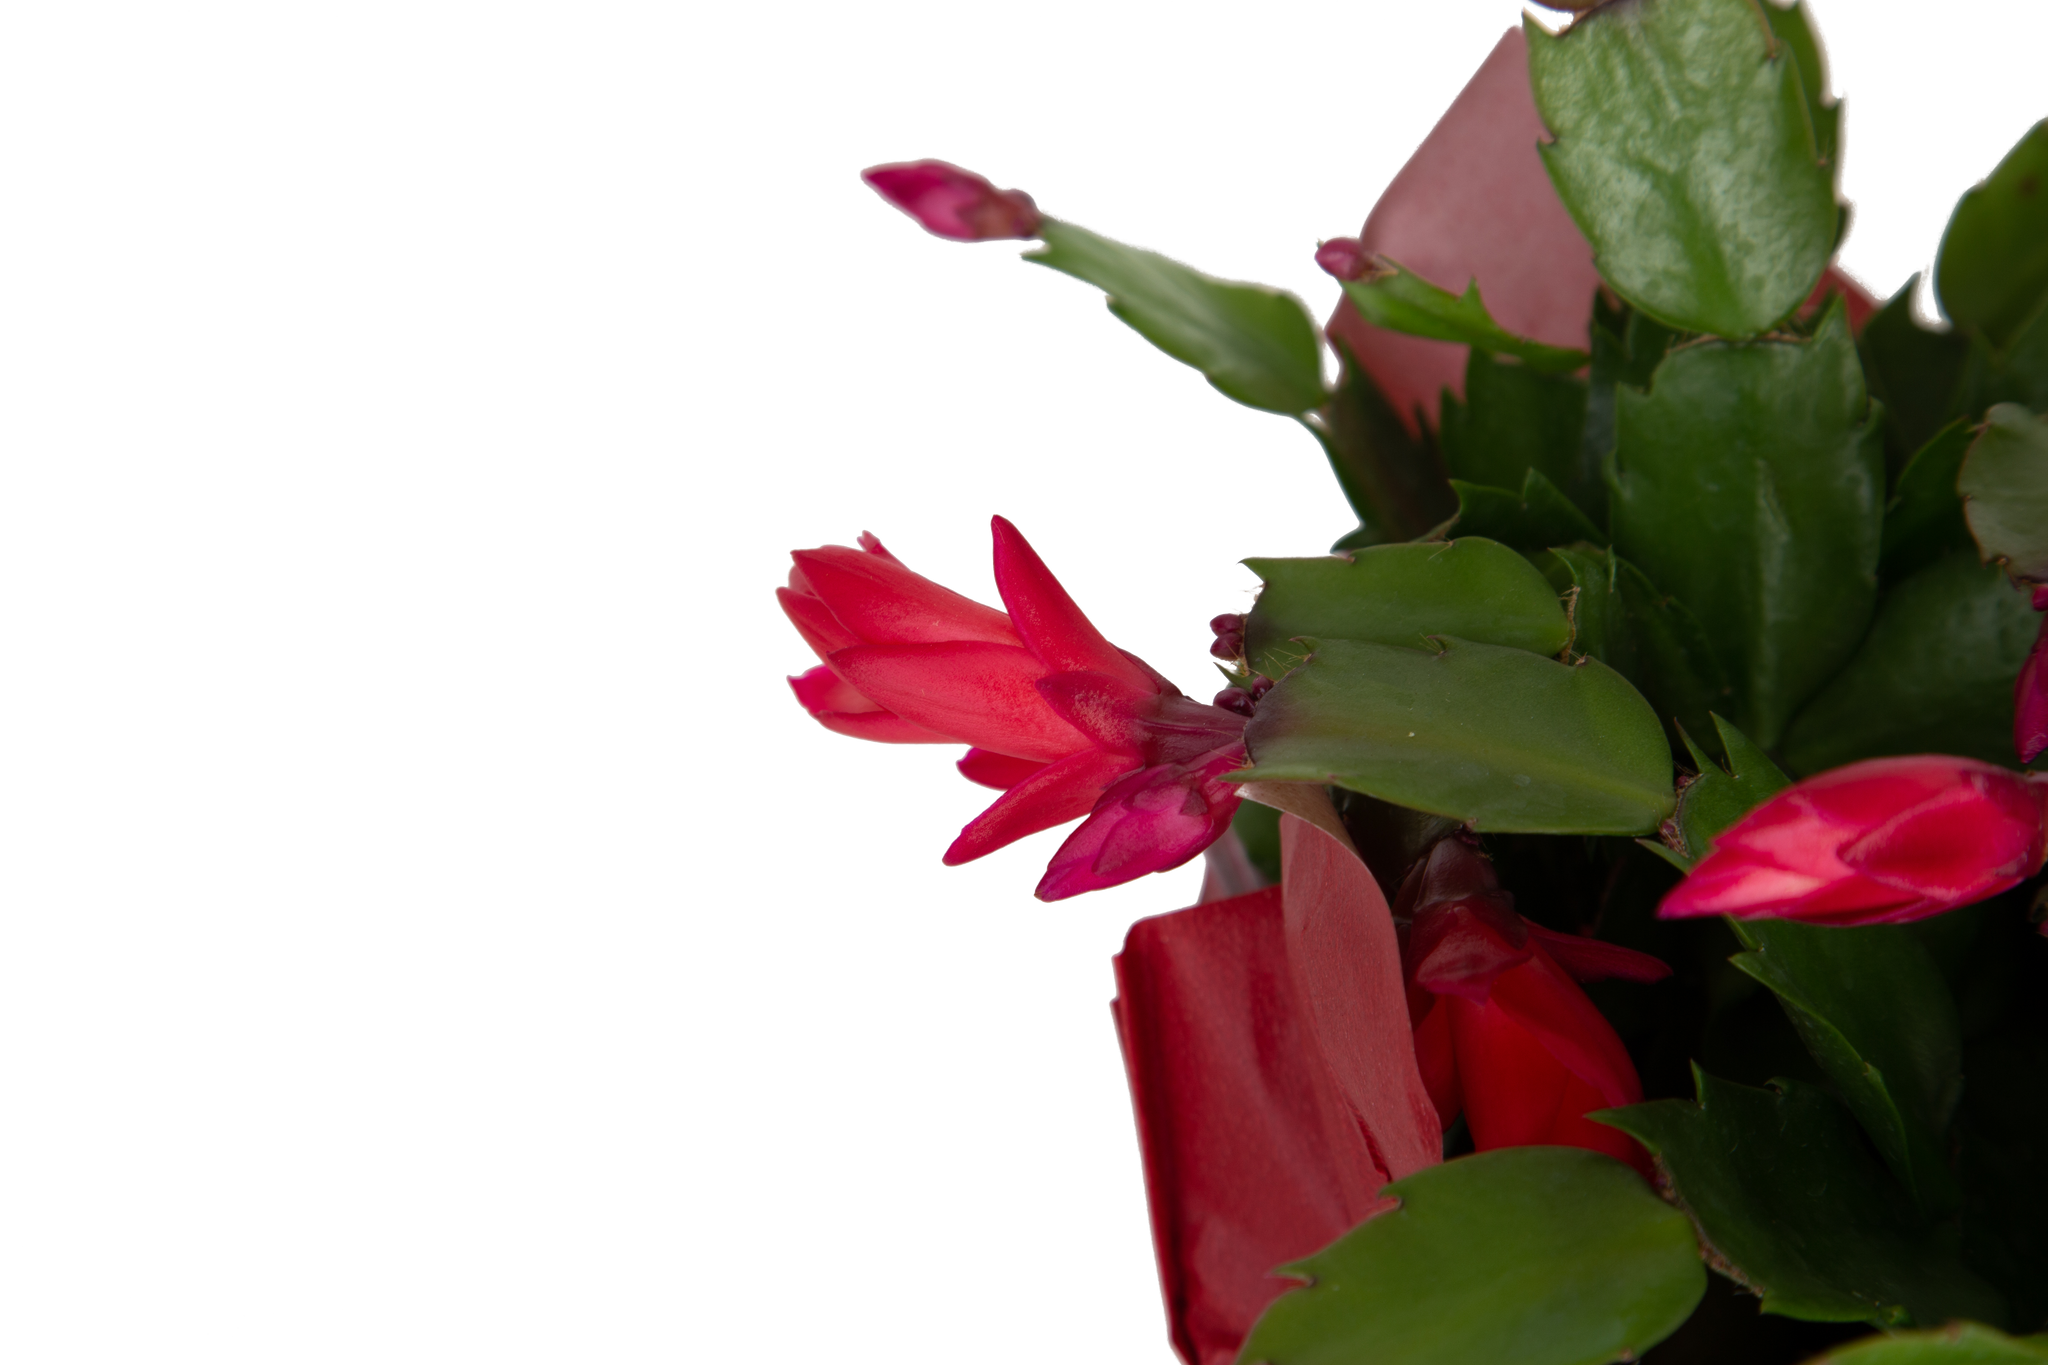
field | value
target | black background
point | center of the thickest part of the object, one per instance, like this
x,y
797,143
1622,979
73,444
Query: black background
x,y
406,445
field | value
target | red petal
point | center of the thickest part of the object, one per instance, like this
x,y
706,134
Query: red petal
x,y
883,603
1055,794
1152,821
1462,947
839,707
1475,202
1051,625
1974,840
815,622
1347,961
2030,700
992,769
980,694
1539,997
1437,1059
1110,711
1517,1093
1590,959
1251,1158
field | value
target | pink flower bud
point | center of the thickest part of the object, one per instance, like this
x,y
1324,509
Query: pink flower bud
x,y
1344,257
955,203
1877,842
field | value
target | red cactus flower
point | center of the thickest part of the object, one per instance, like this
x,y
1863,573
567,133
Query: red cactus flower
x,y
1877,842
955,203
1503,1033
1276,1092
1064,723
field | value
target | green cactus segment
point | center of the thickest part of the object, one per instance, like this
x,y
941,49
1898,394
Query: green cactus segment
x,y
1719,796
1924,519
1959,1343
1388,472
1536,518
2004,483
1514,419
1992,273
1402,301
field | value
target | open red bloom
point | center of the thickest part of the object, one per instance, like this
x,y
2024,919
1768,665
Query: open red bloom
x,y
1275,1085
1877,842
1062,721
955,203
1503,1033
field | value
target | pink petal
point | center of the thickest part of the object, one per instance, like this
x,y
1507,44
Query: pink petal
x,y
1051,625
839,706
1591,959
1252,1158
980,694
1347,971
1151,821
991,769
1475,202
951,202
1055,794
1972,841
883,603
1110,711
815,622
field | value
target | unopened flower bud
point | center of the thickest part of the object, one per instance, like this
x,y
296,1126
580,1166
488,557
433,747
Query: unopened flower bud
x,y
955,203
1344,257
1235,699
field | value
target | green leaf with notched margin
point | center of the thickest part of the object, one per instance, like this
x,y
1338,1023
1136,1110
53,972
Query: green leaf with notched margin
x,y
1652,640
2018,375
2004,483
1924,519
1536,1255
1401,301
1935,674
1390,475
1685,151
1748,483
1514,419
1790,1203
1992,271
1471,587
1255,344
1876,1014
1719,796
1915,371
1627,348
1535,519
1959,1343
1793,26
1499,738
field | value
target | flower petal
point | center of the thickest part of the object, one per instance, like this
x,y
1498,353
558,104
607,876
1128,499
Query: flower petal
x,y
815,622
883,603
1055,794
1592,959
980,694
1252,1158
1475,203
839,706
1051,626
991,769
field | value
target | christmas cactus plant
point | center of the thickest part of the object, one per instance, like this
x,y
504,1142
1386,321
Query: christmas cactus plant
x,y
1621,911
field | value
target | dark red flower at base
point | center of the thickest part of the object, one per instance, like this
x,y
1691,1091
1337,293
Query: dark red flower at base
x,y
1503,1034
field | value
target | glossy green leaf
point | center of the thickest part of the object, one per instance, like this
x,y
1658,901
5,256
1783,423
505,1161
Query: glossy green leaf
x,y
1992,273
1878,1017
1649,638
1685,151
1513,419
1914,370
1924,519
1935,674
1536,1255
1401,301
1959,1343
2018,374
1390,474
1627,348
1471,587
1536,518
1748,483
1255,344
1499,738
1793,26
1791,1204
1720,796
2004,483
